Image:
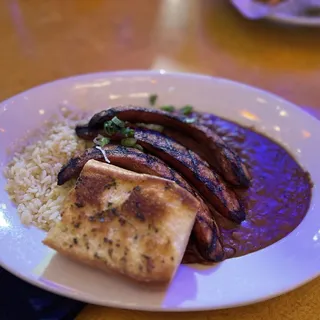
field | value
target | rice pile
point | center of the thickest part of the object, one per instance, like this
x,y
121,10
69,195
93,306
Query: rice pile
x,y
32,173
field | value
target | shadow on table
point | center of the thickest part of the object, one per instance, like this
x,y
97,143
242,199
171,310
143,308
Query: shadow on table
x,y
21,300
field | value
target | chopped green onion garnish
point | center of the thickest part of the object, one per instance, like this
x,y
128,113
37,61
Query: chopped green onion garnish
x,y
101,141
128,142
118,122
104,141
137,146
186,110
110,128
127,132
152,99
115,125
190,120
155,127
168,108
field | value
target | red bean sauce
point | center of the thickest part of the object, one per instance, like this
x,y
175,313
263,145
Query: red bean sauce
x,y
280,194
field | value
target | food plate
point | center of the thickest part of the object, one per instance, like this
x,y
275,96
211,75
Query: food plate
x,y
264,274
294,12
291,13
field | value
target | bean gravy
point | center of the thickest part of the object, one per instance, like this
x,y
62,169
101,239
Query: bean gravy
x,y
280,194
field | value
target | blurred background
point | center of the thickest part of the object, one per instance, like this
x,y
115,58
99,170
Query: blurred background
x,y
44,40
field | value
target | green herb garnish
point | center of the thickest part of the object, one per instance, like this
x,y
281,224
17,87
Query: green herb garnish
x,y
110,128
168,108
117,122
104,141
186,110
190,120
127,132
115,125
138,146
153,99
128,142
155,127
101,141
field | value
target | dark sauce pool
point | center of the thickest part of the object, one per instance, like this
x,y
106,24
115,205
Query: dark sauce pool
x,y
280,194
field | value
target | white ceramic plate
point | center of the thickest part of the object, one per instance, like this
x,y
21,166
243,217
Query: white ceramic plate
x,y
289,12
267,273
295,20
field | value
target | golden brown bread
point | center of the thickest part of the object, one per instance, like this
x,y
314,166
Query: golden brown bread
x,y
135,224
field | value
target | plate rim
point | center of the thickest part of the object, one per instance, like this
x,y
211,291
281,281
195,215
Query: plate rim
x,y
31,280
294,20
163,72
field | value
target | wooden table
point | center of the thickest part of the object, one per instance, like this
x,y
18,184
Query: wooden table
x,y
42,40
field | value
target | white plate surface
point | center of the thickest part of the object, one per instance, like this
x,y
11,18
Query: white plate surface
x,y
267,273
289,12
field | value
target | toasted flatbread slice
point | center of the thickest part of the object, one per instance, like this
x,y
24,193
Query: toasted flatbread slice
x,y
134,224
